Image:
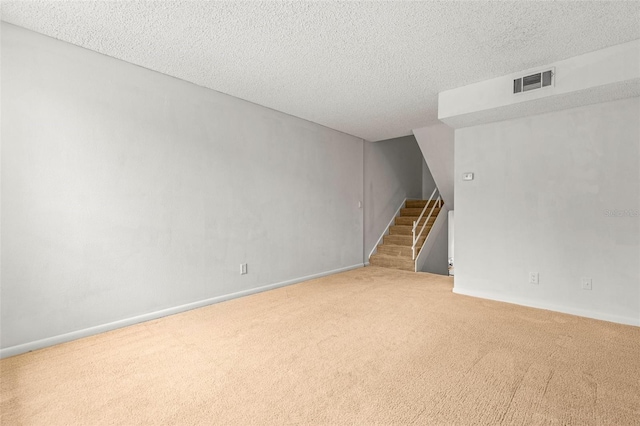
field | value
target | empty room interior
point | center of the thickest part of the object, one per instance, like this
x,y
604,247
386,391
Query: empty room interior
x,y
320,213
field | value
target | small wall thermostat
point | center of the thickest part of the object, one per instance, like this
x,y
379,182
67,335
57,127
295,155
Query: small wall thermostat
x,y
467,176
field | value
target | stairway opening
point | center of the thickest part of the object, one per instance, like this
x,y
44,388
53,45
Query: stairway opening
x,y
396,249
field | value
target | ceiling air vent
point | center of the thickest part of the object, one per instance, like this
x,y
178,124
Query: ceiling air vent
x,y
534,81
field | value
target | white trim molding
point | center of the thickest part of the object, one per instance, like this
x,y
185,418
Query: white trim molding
x,y
74,335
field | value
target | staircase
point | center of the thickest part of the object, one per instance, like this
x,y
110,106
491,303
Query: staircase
x,y
395,251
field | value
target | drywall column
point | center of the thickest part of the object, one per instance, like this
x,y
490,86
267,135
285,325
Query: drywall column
x,y
451,247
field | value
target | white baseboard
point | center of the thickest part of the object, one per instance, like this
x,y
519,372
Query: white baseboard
x,y
74,335
549,307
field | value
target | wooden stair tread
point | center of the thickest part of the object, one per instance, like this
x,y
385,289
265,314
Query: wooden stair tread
x,y
408,220
418,203
417,212
404,240
401,229
395,250
395,262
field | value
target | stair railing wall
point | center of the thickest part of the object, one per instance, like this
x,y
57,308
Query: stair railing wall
x,y
416,238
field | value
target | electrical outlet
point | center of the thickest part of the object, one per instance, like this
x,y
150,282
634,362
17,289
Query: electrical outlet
x,y
533,278
587,283
243,268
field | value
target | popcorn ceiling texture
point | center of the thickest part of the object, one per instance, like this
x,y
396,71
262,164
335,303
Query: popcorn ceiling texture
x,y
370,69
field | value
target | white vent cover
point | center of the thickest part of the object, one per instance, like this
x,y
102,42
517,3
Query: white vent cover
x,y
534,81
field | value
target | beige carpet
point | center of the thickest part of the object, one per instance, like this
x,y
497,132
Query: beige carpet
x,y
370,346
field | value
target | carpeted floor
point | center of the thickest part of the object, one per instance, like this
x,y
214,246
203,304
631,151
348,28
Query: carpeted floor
x,y
369,346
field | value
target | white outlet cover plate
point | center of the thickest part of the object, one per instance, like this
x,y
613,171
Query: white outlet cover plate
x,y
467,176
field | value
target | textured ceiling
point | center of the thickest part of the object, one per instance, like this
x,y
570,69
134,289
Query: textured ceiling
x,y
370,69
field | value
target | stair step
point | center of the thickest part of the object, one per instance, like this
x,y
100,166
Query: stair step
x,y
416,212
418,203
406,229
400,229
404,240
395,250
408,220
395,262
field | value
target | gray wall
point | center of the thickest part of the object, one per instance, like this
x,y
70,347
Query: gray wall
x,y
437,145
127,192
557,194
392,172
